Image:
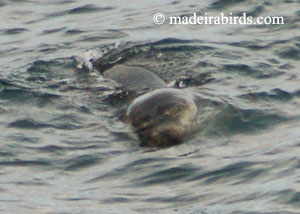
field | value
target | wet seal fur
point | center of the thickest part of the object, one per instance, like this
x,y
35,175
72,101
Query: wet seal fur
x,y
161,116
131,78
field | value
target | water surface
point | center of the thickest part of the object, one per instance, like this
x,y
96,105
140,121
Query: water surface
x,y
64,150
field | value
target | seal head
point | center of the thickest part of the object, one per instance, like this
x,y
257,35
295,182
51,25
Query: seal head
x,y
162,117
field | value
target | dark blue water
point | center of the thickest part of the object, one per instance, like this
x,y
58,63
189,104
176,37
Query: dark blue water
x,y
63,148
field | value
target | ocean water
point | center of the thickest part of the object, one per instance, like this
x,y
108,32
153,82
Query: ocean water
x,y
63,148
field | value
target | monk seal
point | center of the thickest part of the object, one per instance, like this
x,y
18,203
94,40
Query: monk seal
x,y
160,116
133,78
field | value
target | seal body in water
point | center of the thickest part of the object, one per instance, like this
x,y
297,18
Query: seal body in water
x,y
133,78
161,116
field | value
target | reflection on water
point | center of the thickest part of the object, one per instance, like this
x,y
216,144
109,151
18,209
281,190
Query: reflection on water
x,y
65,150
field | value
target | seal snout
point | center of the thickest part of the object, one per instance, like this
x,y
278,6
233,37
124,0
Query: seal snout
x,y
162,136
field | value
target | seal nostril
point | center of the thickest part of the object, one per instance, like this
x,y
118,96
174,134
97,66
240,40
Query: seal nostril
x,y
166,138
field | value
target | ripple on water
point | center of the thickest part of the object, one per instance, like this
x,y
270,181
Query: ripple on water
x,y
13,31
291,52
244,171
85,9
222,4
26,163
227,120
89,8
276,94
261,70
82,162
28,124
169,175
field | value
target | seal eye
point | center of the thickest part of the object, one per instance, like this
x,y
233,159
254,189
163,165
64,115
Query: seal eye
x,y
169,111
